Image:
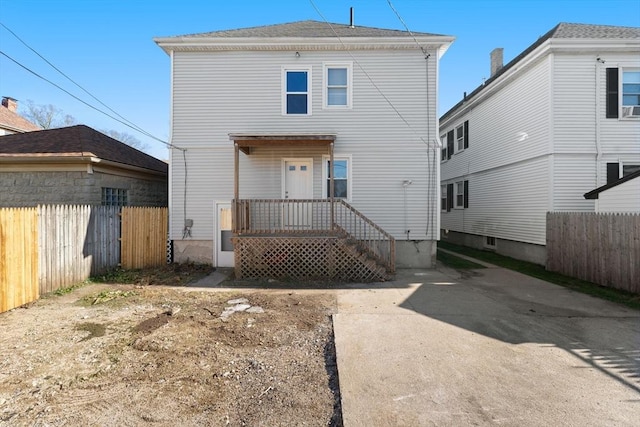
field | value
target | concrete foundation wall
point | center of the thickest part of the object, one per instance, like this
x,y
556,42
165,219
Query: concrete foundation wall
x,y
27,189
519,250
415,253
200,251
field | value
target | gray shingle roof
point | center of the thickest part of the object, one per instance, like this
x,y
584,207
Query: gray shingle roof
x,y
308,28
78,140
587,31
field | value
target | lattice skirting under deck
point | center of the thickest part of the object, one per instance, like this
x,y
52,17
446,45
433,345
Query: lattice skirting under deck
x,y
303,258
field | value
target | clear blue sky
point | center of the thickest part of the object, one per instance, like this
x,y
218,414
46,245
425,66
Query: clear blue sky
x,y
106,45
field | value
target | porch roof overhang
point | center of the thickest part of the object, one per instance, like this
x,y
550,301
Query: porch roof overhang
x,y
247,141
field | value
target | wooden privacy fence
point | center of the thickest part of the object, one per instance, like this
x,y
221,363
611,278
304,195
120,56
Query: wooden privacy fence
x,y
49,247
144,237
600,248
18,257
77,242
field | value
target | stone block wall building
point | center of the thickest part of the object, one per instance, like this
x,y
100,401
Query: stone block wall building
x,y
77,165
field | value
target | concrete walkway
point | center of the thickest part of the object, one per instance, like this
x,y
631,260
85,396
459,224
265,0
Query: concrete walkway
x,y
486,347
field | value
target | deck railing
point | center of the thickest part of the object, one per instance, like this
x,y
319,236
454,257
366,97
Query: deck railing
x,y
313,216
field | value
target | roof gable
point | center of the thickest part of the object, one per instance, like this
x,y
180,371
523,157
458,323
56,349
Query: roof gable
x,y
78,141
15,122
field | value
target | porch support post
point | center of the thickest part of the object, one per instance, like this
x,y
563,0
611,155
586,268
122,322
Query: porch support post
x,y
235,208
331,188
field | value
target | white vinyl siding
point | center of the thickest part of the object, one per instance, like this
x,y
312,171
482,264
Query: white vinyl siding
x,y
508,203
207,106
624,197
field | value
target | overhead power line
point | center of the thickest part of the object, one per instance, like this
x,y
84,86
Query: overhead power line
x,y
120,119
81,100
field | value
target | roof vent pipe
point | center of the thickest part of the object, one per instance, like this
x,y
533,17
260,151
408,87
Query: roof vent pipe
x,y
351,17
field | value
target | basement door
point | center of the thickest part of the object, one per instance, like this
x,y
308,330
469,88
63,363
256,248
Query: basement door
x,y
223,244
298,184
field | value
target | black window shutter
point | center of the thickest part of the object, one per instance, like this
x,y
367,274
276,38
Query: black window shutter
x,y
613,172
449,144
466,134
612,93
466,194
449,197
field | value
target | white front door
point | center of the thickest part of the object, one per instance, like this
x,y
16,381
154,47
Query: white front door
x,y
298,184
224,247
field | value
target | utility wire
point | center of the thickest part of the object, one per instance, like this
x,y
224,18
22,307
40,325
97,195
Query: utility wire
x,y
138,128
86,103
368,76
424,52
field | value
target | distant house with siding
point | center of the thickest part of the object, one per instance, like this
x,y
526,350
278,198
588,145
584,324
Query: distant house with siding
x,y
621,196
10,121
258,114
560,119
77,165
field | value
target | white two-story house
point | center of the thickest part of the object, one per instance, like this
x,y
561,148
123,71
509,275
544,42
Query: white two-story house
x,y
305,149
559,120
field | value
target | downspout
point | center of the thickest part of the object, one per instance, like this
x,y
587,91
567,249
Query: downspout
x,y
597,121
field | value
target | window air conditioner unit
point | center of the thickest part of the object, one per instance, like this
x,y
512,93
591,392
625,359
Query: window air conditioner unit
x,y
631,111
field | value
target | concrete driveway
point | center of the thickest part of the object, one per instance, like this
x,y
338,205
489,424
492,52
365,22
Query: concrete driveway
x,y
493,347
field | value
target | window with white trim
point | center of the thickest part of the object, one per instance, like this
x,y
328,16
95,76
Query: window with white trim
x,y
337,85
341,177
443,197
296,91
443,140
461,197
115,196
631,93
460,138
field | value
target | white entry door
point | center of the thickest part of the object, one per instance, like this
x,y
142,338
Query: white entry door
x,y
298,184
223,244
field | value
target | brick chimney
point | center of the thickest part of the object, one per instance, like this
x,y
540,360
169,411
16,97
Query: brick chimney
x,y
10,103
496,60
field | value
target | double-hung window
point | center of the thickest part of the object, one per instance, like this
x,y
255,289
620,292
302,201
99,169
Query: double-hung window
x,y
341,177
623,93
631,93
443,140
462,194
337,85
296,94
443,197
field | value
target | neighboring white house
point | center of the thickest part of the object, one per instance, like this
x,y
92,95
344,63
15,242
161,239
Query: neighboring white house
x,y
622,196
560,119
288,97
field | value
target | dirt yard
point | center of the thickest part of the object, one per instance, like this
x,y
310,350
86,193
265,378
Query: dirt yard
x,y
125,355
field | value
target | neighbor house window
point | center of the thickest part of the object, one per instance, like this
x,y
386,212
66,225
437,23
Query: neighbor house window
x,y
443,140
443,197
622,93
296,92
462,136
631,94
462,194
337,85
115,196
341,177
617,170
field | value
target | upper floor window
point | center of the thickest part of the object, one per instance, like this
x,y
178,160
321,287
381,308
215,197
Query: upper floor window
x,y
114,196
622,93
337,85
341,177
460,138
443,197
296,94
443,140
631,94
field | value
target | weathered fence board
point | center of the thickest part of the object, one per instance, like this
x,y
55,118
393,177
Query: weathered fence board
x,y
144,237
18,257
600,248
76,242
